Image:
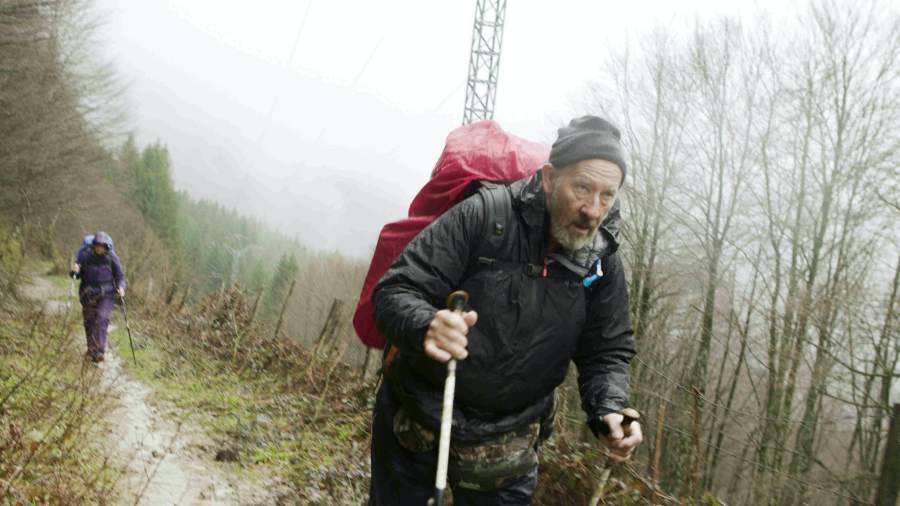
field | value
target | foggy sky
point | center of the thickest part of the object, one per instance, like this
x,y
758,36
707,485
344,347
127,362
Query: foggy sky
x,y
361,104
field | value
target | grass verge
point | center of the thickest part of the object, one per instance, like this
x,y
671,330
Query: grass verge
x,y
50,400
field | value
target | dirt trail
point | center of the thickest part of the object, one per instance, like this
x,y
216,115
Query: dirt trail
x,y
165,462
165,467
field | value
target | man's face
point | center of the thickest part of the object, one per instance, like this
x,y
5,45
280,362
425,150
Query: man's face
x,y
99,249
579,198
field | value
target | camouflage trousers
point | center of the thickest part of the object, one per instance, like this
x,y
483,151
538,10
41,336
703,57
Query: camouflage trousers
x,y
501,471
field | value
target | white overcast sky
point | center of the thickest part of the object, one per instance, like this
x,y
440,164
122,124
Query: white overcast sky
x,y
361,108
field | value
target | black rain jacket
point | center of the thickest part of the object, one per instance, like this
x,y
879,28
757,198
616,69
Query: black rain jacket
x,y
531,323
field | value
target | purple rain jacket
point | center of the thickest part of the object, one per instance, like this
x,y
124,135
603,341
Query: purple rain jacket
x,y
100,272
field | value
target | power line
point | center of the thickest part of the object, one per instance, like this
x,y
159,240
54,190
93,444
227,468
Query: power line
x,y
287,65
366,63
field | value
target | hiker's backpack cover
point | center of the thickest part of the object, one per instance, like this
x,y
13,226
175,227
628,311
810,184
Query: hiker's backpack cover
x,y
480,151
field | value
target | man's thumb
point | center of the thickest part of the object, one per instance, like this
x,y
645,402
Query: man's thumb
x,y
470,317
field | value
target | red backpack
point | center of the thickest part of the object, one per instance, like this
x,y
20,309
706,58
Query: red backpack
x,y
477,152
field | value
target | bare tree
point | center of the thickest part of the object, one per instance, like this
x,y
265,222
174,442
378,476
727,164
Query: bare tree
x,y
755,241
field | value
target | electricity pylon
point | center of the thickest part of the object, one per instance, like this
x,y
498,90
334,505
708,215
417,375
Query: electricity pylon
x,y
484,61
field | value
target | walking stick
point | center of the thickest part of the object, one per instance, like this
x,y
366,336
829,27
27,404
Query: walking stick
x,y
456,302
630,415
71,293
72,276
128,329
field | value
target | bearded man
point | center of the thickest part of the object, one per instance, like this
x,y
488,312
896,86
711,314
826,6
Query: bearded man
x,y
538,258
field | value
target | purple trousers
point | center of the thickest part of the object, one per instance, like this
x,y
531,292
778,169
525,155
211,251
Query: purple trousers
x,y
96,309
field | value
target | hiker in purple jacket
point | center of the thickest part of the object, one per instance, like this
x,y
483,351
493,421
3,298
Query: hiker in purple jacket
x,y
102,277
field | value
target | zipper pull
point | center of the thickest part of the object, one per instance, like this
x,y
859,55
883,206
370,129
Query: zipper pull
x,y
588,281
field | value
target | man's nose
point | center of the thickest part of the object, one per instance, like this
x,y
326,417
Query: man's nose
x,y
593,209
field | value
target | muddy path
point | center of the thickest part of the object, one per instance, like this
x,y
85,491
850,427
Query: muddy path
x,y
168,462
163,461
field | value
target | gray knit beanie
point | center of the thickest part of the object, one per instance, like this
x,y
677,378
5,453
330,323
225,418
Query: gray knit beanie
x,y
586,138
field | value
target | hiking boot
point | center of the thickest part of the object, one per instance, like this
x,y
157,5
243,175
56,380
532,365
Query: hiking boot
x,y
98,359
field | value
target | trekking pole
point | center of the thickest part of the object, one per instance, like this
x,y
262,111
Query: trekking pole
x,y
456,302
128,329
71,287
630,415
71,293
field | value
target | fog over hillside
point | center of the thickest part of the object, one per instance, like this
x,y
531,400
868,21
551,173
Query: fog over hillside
x,y
330,183
324,118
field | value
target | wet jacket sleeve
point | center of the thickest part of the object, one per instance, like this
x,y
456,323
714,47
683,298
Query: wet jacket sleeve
x,y
431,266
117,271
606,346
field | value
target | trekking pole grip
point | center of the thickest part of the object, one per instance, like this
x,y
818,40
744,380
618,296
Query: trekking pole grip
x,y
457,301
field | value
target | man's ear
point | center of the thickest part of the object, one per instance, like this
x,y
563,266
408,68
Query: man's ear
x,y
547,175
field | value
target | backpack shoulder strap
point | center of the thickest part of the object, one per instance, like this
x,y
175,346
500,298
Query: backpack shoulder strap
x,y
497,211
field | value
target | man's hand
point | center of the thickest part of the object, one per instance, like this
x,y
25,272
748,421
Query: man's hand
x,y
76,268
121,292
621,442
446,336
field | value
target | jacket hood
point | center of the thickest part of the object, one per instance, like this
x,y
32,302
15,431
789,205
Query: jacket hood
x,y
103,238
529,197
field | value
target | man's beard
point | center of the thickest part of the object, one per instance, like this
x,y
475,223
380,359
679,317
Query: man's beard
x,y
564,235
